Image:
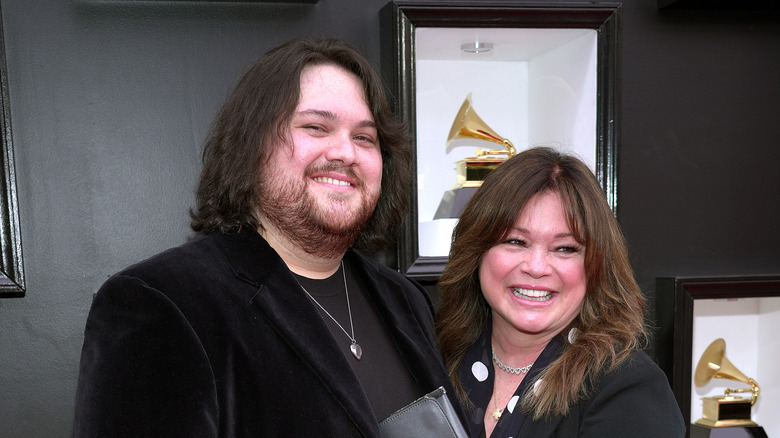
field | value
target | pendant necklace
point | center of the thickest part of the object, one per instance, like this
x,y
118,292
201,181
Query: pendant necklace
x,y
354,347
511,370
497,413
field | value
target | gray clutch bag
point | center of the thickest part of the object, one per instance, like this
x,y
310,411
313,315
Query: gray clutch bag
x,y
431,415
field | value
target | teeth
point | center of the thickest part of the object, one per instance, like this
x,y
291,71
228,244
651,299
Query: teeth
x,y
533,295
328,180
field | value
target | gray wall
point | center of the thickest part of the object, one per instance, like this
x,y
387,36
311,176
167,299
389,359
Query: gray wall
x,y
110,101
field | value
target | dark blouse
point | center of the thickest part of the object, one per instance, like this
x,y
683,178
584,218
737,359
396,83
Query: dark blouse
x,y
477,376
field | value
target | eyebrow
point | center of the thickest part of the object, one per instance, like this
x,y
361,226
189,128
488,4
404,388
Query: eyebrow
x,y
333,116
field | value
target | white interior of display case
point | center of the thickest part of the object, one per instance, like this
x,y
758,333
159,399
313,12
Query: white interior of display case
x,y
535,87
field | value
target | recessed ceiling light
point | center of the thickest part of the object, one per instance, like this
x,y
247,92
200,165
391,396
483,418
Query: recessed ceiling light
x,y
476,47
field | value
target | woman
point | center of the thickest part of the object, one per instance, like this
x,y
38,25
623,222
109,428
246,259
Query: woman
x,y
541,317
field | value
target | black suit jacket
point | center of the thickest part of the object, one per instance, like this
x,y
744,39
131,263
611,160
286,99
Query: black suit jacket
x,y
632,401
216,339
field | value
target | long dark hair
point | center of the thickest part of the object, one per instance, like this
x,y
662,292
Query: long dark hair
x,y
611,322
255,118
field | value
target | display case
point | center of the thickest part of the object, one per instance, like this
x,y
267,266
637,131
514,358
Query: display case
x,y
745,312
538,74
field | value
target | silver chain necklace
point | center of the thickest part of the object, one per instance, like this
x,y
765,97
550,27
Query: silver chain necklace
x,y
508,369
355,347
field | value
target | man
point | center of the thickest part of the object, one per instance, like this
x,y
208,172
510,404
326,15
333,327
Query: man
x,y
267,323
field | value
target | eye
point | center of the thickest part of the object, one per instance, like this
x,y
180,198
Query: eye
x,y
365,139
515,242
574,249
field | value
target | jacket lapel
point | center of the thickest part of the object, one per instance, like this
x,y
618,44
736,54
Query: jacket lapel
x,y
281,301
398,318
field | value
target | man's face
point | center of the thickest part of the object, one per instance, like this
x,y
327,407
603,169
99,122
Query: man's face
x,y
321,189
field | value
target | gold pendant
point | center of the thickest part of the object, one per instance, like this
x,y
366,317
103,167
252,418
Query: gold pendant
x,y
497,414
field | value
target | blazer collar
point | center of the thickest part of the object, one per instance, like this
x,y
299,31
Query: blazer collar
x,y
251,258
280,300
399,318
546,426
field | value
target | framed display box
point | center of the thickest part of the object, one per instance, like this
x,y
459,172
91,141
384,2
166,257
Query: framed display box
x,y
11,268
744,311
537,73
719,5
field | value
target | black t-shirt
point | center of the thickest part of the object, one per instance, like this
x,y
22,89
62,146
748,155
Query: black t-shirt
x,y
385,379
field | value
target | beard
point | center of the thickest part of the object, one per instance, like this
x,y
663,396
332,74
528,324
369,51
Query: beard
x,y
324,226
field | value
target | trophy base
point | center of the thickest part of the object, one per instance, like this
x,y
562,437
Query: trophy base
x,y
725,423
701,431
453,202
470,172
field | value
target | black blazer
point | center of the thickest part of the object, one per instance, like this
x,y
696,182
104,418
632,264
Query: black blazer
x,y
632,401
216,339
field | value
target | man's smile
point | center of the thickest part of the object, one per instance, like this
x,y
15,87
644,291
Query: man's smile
x,y
329,180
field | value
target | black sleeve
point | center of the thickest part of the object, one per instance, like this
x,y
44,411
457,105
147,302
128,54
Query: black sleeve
x,y
143,371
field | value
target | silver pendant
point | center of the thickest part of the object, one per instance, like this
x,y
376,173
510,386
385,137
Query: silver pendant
x,y
356,350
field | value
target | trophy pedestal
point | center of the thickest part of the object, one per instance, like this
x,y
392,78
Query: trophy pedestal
x,y
453,201
470,174
700,431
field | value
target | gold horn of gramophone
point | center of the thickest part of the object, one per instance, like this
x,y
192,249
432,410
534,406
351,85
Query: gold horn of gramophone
x,y
469,126
726,410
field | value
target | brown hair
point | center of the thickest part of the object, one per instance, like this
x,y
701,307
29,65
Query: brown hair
x,y
255,117
611,321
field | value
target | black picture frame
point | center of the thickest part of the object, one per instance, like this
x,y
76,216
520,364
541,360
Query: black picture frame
x,y
718,5
675,298
402,17
11,266
225,1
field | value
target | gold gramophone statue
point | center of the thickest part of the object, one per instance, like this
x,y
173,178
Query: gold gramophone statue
x,y
471,171
724,410
468,125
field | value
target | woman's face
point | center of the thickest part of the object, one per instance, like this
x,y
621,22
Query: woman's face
x,y
534,280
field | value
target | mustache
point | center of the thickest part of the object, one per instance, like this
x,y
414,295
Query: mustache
x,y
334,167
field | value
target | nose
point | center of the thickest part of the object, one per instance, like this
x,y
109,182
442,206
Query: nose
x,y
342,149
535,263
